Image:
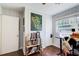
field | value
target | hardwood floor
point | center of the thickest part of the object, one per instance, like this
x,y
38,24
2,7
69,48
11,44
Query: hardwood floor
x,y
16,53
48,51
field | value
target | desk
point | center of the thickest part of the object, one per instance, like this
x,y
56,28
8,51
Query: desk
x,y
75,37
74,42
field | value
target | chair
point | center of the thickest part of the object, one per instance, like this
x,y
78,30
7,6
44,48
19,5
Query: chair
x,y
74,51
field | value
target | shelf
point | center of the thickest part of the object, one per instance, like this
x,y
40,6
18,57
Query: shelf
x,y
33,39
31,46
32,52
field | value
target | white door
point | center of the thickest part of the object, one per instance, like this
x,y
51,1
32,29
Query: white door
x,y
10,33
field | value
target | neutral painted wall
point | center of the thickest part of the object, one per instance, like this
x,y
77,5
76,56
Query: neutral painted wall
x,y
0,32
0,10
21,33
11,12
49,40
68,13
46,26
0,28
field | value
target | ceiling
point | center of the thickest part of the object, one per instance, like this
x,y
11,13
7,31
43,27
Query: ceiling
x,y
48,8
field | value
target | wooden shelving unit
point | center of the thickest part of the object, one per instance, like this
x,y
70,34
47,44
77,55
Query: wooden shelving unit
x,y
32,52
31,47
34,46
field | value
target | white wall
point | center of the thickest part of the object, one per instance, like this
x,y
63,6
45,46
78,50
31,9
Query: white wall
x,y
46,26
0,10
11,12
21,29
0,33
0,28
49,41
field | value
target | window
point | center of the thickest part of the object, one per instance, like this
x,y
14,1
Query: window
x,y
64,26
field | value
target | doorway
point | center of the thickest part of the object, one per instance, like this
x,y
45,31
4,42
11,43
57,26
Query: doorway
x,y
10,34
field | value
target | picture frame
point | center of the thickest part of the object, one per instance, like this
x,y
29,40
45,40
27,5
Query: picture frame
x,y
36,22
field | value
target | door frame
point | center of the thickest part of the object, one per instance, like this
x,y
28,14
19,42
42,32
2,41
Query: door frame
x,y
18,28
